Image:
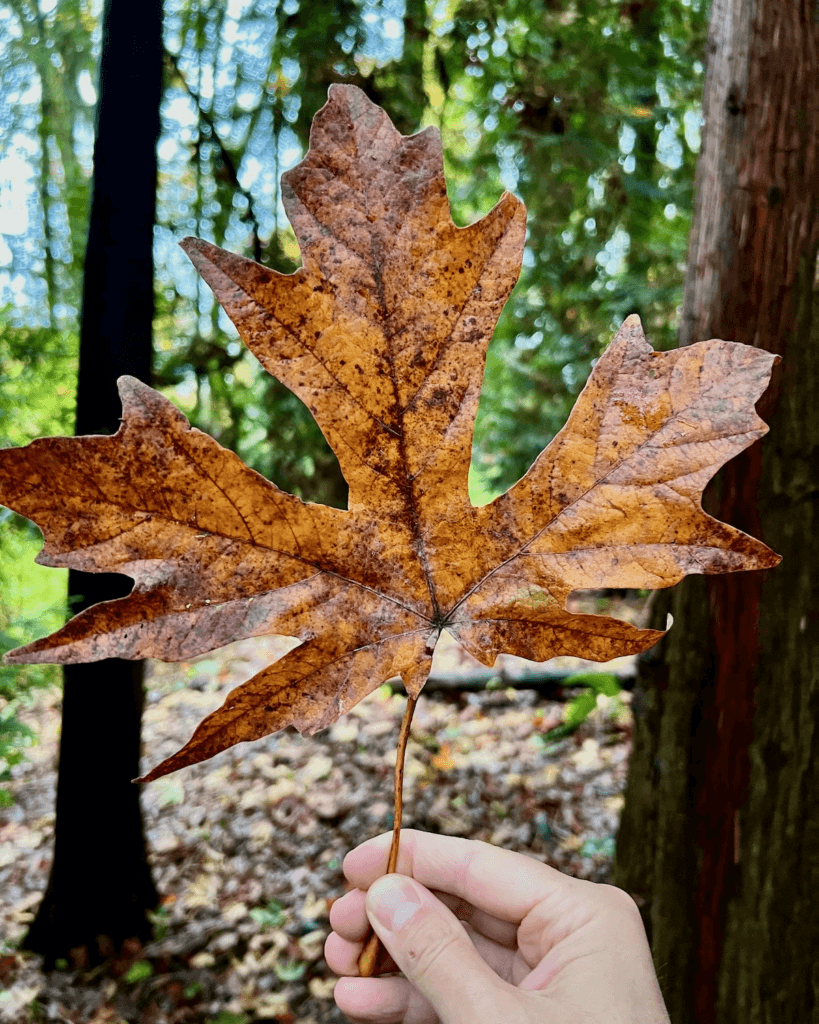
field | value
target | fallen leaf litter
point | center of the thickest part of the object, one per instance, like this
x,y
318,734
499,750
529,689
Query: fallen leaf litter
x,y
247,848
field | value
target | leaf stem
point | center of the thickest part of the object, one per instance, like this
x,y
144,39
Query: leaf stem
x,y
368,960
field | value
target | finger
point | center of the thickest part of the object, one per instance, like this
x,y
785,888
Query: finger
x,y
434,951
501,883
382,1001
341,955
348,916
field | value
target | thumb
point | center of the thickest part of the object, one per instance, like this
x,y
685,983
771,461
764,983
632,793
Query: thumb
x,y
433,950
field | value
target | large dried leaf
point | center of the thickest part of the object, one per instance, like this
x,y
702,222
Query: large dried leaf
x,y
383,335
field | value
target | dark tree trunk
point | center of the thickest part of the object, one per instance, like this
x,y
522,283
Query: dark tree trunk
x,y
100,886
719,840
647,24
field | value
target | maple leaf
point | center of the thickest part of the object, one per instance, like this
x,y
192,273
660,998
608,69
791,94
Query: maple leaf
x,y
383,334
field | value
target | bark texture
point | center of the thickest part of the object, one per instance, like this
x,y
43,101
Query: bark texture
x,y
100,885
719,840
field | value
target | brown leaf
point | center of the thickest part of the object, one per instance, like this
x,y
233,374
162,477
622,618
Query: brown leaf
x,y
443,760
383,335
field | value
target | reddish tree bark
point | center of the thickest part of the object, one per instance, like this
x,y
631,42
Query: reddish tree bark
x,y
719,832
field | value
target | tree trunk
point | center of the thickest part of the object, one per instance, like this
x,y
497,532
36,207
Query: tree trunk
x,y
646,21
100,886
719,840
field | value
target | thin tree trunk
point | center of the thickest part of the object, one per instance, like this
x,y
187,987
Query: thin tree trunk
x,y
642,200
100,886
720,830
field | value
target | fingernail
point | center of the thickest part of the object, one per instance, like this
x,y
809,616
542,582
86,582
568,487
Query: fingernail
x,y
393,900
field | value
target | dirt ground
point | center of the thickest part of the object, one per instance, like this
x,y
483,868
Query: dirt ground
x,y
247,849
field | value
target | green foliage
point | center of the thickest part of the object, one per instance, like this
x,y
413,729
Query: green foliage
x,y
603,847
579,709
139,971
160,920
25,611
36,398
14,735
605,683
37,380
47,70
271,916
226,1017
290,970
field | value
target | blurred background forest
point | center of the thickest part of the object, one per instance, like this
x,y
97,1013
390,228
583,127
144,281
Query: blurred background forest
x,y
589,111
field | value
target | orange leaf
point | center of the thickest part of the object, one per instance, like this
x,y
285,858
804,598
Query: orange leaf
x,y
383,334
443,760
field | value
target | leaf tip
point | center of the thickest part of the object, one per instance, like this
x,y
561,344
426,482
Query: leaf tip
x,y
190,242
26,655
345,90
129,386
205,256
198,251
338,87
169,765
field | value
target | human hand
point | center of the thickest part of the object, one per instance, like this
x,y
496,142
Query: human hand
x,y
503,939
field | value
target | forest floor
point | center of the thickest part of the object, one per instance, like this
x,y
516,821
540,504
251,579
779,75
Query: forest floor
x,y
247,848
